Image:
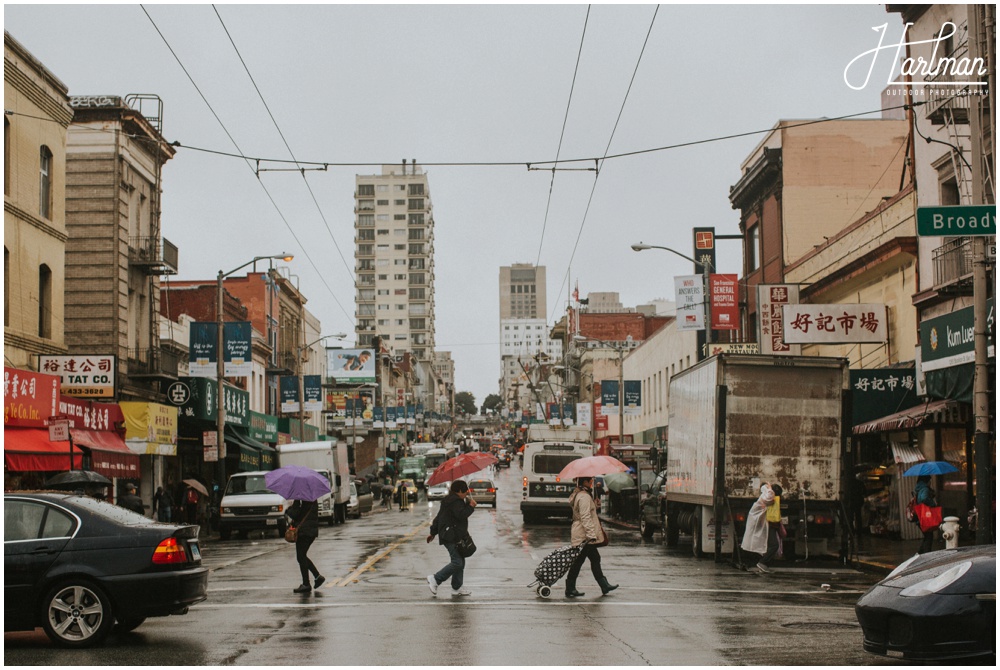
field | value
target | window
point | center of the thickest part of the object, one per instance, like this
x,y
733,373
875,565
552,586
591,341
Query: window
x,y
416,189
366,189
383,277
366,205
382,203
400,307
753,247
366,220
416,249
383,308
400,322
383,322
415,203
416,234
399,247
382,188
399,232
45,183
383,291
401,277
45,302
365,250
399,202
383,248
418,294
383,231
382,262
416,219
366,235
399,261
399,217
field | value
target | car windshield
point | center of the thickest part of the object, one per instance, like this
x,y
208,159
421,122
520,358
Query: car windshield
x,y
251,485
552,464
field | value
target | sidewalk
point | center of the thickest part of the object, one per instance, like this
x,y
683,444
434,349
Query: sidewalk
x,y
874,554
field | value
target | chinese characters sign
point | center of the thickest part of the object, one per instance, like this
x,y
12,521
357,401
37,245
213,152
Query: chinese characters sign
x,y
82,376
830,324
881,392
771,331
29,398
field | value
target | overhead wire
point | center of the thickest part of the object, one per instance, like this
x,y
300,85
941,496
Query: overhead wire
x,y
247,160
562,134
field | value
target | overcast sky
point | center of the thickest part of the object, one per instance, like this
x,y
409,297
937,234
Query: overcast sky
x,y
364,85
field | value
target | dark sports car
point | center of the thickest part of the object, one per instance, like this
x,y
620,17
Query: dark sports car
x,y
938,605
79,567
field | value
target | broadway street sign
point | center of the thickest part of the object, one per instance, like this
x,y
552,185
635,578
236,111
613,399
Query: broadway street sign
x,y
957,220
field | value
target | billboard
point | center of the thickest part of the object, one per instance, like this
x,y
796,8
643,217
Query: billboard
x,y
350,366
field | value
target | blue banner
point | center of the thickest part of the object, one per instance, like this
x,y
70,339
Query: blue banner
x,y
313,391
609,397
202,346
633,397
236,337
390,415
289,394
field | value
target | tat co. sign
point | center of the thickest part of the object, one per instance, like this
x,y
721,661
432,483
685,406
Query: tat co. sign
x,y
957,220
85,376
832,324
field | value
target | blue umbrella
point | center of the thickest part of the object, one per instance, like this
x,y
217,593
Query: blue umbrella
x,y
295,482
930,468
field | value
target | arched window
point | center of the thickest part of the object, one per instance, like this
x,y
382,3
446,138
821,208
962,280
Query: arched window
x,y
44,302
45,183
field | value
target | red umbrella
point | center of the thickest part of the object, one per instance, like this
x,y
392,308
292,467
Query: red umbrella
x,y
592,466
464,464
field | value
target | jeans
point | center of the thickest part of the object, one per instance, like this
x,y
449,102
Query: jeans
x,y
455,569
302,544
589,551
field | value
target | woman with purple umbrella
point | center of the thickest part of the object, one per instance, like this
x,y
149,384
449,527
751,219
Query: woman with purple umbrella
x,y
305,486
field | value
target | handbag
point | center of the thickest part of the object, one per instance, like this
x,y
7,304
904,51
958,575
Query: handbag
x,y
929,517
292,532
465,546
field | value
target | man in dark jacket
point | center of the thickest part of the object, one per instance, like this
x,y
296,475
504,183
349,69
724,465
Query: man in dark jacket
x,y
450,525
131,501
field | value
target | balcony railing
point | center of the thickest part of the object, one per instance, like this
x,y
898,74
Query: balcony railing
x,y
949,98
152,364
953,265
156,254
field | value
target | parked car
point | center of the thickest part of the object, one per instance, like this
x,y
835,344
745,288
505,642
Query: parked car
x,y
78,567
935,606
483,491
411,490
652,506
438,491
362,499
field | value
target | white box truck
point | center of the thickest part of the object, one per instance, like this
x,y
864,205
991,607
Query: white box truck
x,y
738,420
328,458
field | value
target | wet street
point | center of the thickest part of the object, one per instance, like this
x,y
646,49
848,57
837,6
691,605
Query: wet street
x,y
376,609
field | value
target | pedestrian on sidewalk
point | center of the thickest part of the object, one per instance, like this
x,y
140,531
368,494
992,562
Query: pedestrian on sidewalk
x,y
163,504
302,516
924,495
756,537
586,531
450,525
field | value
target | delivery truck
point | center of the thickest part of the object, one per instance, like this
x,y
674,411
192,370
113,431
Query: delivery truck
x,y
329,458
548,450
736,421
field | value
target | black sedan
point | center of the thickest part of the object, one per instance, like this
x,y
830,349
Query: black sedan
x,y
935,606
79,567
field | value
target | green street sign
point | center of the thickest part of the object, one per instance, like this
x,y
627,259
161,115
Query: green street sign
x,y
957,220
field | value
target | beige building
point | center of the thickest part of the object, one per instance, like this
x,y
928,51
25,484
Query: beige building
x,y
522,292
394,257
37,115
115,253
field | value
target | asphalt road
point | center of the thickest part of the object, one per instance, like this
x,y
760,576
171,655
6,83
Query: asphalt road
x,y
376,609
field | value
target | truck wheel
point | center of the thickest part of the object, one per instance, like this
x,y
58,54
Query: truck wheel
x,y
696,536
671,532
644,528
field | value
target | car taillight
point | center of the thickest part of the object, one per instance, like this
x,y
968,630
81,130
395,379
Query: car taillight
x,y
491,490
524,482
169,551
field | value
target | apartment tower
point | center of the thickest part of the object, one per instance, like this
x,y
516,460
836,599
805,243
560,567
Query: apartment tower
x,y
394,256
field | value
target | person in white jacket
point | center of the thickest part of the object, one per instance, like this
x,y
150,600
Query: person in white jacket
x,y
756,533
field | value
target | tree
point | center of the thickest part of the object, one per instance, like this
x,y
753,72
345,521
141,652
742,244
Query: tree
x,y
465,402
491,403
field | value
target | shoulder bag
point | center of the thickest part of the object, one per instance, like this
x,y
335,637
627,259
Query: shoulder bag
x,y
292,532
929,517
465,546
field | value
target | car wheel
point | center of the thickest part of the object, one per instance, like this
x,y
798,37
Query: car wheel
x,y
644,528
128,624
77,614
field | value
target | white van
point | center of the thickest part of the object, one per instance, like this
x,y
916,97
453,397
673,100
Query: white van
x,y
547,452
247,504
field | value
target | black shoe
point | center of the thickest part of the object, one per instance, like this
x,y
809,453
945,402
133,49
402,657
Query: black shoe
x,y
573,593
606,587
319,581
302,588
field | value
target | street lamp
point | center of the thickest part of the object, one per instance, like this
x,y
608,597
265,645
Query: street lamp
x,y
220,366
302,392
706,268
620,350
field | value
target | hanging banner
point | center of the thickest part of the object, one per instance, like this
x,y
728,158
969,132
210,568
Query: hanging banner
x,y
689,294
770,329
832,324
350,366
85,376
29,398
377,417
203,340
583,416
553,411
609,397
289,395
236,337
632,397
313,391
725,309
390,416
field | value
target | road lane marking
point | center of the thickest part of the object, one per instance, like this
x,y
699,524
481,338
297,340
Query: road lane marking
x,y
434,602
367,565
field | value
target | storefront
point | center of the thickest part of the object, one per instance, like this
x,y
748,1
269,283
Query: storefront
x,y
151,432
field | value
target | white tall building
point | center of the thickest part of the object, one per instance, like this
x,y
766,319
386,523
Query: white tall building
x,y
394,256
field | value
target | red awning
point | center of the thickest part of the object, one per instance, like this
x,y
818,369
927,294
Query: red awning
x,y
935,411
110,456
30,450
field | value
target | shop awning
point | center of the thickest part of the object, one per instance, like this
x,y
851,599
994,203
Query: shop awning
x,y
30,450
268,454
933,412
249,455
110,456
904,454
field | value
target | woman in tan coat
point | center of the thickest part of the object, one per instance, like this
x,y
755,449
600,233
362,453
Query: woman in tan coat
x,y
586,532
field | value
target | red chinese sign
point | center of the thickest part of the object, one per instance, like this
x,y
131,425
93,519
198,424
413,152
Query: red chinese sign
x,y
91,415
29,398
828,324
771,298
725,310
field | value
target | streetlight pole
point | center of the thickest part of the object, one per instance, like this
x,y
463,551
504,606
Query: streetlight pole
x,y
220,368
301,379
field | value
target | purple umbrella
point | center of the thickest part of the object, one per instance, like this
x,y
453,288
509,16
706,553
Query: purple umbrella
x,y
295,482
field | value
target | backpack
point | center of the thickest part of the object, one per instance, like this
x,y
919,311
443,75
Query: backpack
x,y
911,512
192,497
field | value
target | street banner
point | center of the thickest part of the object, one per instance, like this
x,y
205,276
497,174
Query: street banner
x,y
583,414
313,391
236,337
29,398
568,414
552,412
539,412
833,324
390,417
609,397
411,414
203,340
420,411
770,329
689,294
350,366
377,417
633,397
85,376
289,388
725,309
